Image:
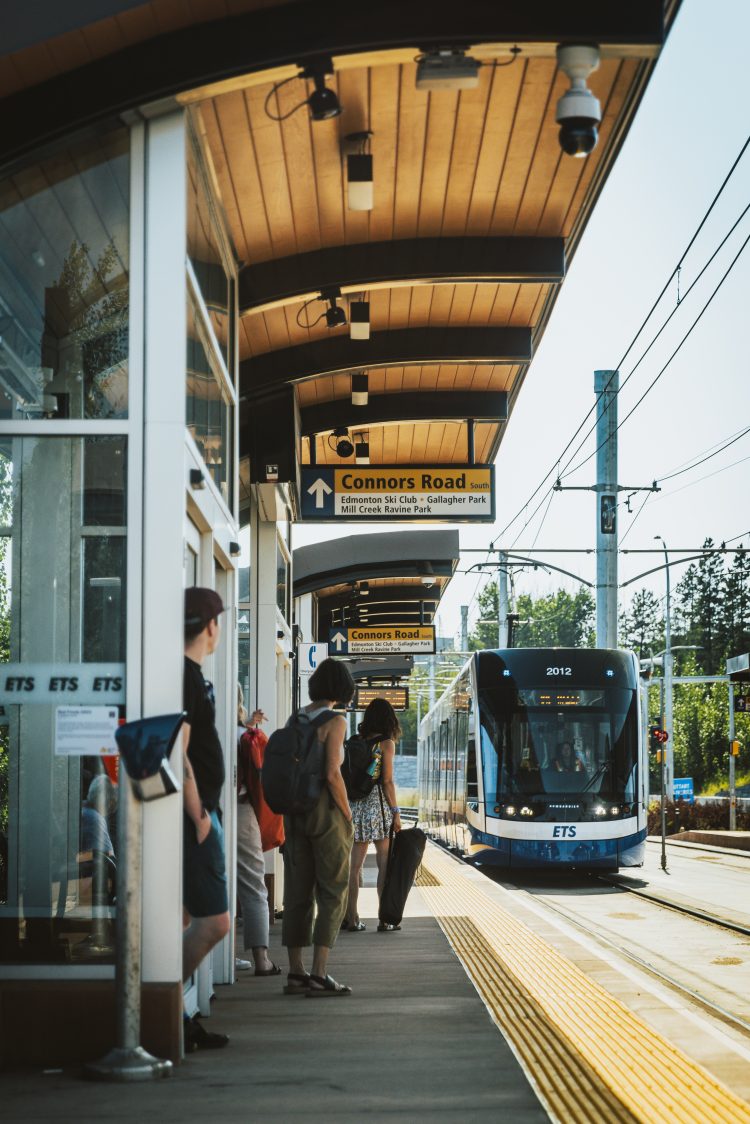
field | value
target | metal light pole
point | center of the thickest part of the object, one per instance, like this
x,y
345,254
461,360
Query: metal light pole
x,y
668,686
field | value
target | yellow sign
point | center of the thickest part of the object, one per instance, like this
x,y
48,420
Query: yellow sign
x,y
363,639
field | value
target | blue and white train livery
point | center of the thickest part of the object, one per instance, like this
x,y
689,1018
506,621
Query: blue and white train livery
x,y
533,757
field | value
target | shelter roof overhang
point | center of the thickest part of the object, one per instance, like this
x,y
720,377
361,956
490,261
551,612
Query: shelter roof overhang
x,y
393,555
476,211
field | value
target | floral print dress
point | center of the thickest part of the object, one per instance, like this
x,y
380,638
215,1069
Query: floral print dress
x,y
372,817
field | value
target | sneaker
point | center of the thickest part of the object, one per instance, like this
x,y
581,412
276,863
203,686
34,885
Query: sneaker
x,y
242,965
198,1038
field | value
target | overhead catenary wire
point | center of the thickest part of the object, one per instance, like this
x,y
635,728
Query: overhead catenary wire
x,y
634,340
567,471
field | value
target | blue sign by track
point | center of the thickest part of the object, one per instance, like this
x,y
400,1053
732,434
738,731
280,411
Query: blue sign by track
x,y
683,789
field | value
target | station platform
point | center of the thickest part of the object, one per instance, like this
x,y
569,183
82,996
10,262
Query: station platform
x,y
478,1008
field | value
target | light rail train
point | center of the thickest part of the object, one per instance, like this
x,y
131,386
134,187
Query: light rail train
x,y
534,757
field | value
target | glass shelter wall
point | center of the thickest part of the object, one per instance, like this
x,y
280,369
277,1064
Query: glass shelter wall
x,y
64,301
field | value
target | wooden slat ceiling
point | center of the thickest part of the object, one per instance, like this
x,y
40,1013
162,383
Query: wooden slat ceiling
x,y
471,164
446,164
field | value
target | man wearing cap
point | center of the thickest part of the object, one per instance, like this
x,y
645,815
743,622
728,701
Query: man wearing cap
x,y
205,899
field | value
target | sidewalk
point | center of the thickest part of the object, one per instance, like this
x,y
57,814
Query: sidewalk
x,y
413,1041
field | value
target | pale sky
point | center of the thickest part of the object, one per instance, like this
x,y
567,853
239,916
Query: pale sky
x,y
687,133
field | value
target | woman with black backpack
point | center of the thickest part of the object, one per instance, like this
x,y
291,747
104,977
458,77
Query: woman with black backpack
x,y
373,815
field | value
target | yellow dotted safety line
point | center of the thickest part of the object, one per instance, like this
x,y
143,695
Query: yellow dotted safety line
x,y
652,1080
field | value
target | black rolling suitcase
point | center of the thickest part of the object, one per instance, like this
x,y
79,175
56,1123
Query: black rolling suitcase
x,y
404,856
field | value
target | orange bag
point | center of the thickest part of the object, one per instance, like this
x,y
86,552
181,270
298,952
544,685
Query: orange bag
x,y
251,748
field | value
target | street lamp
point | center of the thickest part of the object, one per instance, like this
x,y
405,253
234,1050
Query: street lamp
x,y
668,687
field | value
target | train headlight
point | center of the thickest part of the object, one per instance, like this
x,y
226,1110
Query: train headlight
x,y
600,810
614,810
526,811
510,810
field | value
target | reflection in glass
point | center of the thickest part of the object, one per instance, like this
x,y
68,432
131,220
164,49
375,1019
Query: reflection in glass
x,y
63,505
205,256
282,581
209,410
64,284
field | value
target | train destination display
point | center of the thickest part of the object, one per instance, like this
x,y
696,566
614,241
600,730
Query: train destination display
x,y
458,493
398,697
376,639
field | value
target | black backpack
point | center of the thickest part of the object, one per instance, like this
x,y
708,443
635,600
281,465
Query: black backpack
x,y
294,767
359,754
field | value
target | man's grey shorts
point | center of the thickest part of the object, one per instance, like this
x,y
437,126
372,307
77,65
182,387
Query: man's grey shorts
x,y
204,881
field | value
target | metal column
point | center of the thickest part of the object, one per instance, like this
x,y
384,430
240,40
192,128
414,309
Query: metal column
x,y
606,386
503,605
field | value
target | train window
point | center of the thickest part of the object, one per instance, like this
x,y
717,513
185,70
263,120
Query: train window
x,y
585,742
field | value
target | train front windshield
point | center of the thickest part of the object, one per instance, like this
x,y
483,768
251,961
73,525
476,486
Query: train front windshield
x,y
541,741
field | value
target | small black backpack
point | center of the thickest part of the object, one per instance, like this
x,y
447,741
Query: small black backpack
x,y
359,755
294,767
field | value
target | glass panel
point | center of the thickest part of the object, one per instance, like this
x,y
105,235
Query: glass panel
x,y
281,582
579,741
62,632
209,410
64,286
205,256
243,569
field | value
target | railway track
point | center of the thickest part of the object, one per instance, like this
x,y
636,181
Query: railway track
x,y
679,906
593,932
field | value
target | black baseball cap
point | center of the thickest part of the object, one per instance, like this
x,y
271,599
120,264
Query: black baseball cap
x,y
201,606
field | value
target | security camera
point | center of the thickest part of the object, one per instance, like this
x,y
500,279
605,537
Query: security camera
x,y
578,111
428,581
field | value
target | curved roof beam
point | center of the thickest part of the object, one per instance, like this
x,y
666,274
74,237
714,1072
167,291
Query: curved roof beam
x,y
406,262
435,405
399,348
217,51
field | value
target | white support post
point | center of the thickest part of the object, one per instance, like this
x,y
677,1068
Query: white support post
x,y
732,781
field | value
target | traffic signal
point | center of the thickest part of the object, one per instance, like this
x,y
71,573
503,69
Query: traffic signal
x,y
657,738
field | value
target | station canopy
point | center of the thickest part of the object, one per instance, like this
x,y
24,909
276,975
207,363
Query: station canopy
x,y
392,579
451,274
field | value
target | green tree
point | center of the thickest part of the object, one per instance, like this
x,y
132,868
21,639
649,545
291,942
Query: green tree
x,y
734,611
641,626
558,620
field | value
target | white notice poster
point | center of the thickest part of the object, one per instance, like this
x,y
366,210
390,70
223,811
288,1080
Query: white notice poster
x,y
85,731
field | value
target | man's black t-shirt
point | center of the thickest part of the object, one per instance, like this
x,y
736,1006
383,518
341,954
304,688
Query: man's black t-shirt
x,y
204,749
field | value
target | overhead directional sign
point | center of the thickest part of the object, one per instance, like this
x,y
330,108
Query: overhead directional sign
x,y
455,493
382,638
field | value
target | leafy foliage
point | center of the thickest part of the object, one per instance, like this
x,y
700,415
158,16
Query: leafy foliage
x,y
558,620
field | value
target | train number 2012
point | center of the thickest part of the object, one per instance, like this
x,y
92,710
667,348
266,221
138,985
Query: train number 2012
x,y
559,670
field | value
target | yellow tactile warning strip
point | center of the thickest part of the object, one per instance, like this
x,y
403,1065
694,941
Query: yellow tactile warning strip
x,y
539,998
424,878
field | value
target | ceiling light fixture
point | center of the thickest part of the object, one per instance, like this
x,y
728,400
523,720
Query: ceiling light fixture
x,y
361,448
360,389
447,69
359,173
359,320
322,102
335,316
339,441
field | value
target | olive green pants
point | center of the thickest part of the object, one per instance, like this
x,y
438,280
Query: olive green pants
x,y
317,854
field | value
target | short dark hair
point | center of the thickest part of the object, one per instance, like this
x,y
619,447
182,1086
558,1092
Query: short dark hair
x,y
202,605
331,680
380,718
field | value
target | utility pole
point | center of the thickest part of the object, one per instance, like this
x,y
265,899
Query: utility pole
x,y
502,599
732,748
464,628
668,680
606,387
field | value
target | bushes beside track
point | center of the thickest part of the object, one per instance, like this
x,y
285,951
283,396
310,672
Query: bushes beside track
x,y
713,815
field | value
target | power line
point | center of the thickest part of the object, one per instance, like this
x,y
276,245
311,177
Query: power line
x,y
567,471
630,346
708,457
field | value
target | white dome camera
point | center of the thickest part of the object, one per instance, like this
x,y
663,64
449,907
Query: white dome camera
x,y
578,111
428,581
